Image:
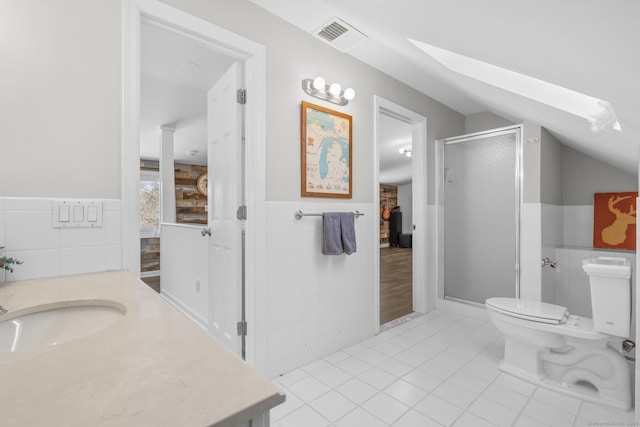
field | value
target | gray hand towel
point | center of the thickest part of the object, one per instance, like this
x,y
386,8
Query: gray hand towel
x,y
348,231
331,234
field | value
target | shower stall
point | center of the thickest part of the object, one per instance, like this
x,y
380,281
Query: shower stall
x,y
479,201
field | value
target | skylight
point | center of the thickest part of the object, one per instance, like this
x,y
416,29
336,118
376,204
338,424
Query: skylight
x,y
599,113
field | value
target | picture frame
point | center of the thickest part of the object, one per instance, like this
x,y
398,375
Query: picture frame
x,y
614,220
326,148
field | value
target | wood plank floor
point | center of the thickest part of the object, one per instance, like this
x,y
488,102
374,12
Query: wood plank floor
x,y
153,282
396,290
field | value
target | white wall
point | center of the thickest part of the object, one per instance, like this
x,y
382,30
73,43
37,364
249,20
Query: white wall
x,y
485,120
578,187
552,165
530,251
60,98
293,55
191,126
27,233
184,280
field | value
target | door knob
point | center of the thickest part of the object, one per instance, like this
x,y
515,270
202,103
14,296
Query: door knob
x,y
205,232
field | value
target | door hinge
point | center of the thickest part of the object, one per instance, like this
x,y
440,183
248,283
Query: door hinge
x,y
241,213
242,328
241,96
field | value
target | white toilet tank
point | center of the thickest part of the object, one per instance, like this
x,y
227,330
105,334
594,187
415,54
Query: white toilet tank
x,y
610,279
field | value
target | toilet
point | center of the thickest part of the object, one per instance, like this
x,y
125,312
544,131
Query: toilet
x,y
547,346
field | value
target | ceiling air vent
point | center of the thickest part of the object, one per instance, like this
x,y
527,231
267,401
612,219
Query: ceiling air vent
x,y
332,31
339,34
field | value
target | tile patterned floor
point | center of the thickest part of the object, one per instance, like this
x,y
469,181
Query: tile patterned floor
x,y
440,369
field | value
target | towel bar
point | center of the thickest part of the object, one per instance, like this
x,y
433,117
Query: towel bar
x,y
300,214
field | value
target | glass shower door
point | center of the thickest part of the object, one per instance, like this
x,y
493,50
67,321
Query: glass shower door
x,y
481,201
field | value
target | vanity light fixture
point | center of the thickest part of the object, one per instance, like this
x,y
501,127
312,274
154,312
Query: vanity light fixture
x,y
318,88
405,151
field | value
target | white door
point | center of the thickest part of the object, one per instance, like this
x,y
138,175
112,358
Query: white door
x,y
225,171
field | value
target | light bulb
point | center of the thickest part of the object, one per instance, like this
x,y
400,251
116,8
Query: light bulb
x,y
408,153
335,89
319,83
349,94
401,151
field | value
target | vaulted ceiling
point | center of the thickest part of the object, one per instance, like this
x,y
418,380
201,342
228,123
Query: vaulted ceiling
x,y
587,46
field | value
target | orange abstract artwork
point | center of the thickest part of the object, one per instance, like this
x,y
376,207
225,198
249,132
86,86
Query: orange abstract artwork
x,y
614,220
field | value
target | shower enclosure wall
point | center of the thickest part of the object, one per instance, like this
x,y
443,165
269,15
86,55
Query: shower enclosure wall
x,y
479,200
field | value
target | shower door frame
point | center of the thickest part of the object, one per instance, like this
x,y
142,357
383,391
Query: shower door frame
x,y
442,300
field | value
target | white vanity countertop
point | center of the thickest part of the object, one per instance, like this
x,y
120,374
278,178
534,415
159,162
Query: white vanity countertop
x,y
154,367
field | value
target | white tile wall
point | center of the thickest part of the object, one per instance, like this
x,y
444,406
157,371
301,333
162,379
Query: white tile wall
x,y
316,304
568,285
27,233
578,225
531,250
553,225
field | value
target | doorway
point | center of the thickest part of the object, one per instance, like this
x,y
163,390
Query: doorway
x,y
395,145
401,159
187,94
175,73
252,55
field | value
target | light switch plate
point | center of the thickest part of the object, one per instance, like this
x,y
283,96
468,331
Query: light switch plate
x,y
82,213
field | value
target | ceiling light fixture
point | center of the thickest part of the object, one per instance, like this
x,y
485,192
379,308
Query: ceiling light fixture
x,y
598,113
318,88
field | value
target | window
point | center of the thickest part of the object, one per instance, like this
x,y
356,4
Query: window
x,y
149,204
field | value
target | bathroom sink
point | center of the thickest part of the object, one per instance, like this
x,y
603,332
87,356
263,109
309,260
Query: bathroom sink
x,y
46,326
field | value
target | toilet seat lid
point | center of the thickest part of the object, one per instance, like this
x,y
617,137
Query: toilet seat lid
x,y
529,309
